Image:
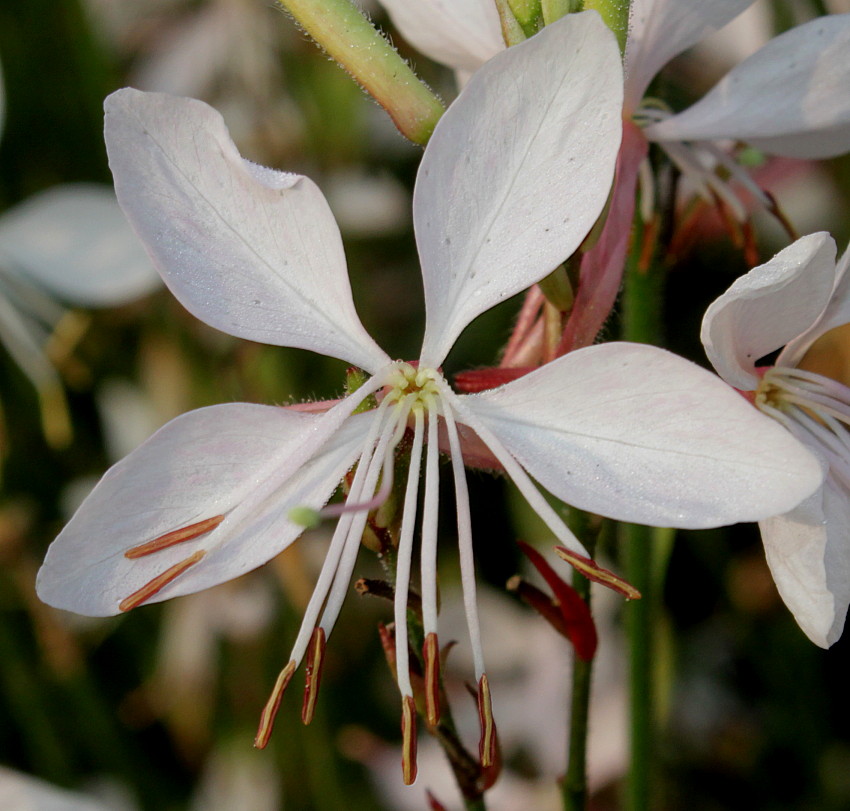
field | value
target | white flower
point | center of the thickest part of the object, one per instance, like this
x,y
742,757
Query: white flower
x,y
798,300
792,97
515,174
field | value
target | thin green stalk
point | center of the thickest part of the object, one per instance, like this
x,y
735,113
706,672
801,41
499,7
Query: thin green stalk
x,y
574,784
346,34
642,311
640,627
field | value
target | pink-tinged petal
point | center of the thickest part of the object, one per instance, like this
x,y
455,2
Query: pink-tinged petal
x,y
638,434
836,314
516,173
602,266
236,461
769,306
808,551
251,251
74,241
462,34
662,29
789,98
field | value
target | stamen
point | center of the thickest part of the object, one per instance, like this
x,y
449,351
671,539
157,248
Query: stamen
x,y
313,674
431,655
340,537
464,536
514,470
160,582
264,731
408,740
174,537
430,515
357,521
487,742
405,556
593,571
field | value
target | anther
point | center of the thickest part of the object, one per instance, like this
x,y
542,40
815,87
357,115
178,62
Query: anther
x,y
160,582
431,655
408,740
264,730
313,674
487,742
593,571
174,537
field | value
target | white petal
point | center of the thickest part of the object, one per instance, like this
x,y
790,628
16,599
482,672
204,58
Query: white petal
x,y
251,251
836,314
662,29
808,551
767,307
516,173
74,241
462,34
229,459
638,434
789,98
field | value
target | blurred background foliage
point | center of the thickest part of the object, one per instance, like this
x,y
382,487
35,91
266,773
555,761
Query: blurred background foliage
x,y
157,710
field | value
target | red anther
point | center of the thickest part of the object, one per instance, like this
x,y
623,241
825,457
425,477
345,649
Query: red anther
x,y
487,742
593,571
431,655
264,730
408,740
160,582
313,674
174,537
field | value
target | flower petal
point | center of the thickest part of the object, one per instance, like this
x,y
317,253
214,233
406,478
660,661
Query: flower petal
x,y
74,241
789,98
251,251
662,29
808,551
516,173
764,309
836,314
638,434
231,460
462,34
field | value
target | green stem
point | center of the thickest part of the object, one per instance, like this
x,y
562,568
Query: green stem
x,y
642,310
574,784
640,630
349,38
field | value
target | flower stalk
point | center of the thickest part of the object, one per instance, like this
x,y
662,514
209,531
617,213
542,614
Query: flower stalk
x,y
348,37
643,297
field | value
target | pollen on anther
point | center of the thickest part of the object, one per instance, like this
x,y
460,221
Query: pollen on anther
x,y
487,742
264,730
174,537
408,740
313,675
160,582
431,656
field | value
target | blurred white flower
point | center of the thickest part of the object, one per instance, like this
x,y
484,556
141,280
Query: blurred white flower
x,y
20,792
67,246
